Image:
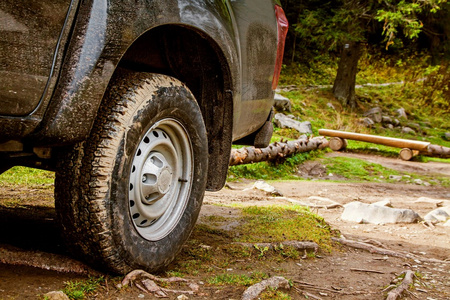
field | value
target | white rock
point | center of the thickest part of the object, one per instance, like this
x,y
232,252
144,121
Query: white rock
x,y
435,202
56,295
282,103
384,202
366,213
401,113
264,186
284,121
418,181
395,177
441,214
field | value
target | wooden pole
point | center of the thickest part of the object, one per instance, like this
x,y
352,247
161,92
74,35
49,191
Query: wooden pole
x,y
382,140
410,147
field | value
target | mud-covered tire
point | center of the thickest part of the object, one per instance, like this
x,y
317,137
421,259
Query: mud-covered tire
x,y
129,196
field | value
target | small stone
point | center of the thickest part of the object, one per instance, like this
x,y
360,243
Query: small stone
x,y
384,202
283,121
330,105
447,136
415,126
418,181
401,113
368,122
408,130
389,126
386,120
434,202
56,295
182,297
441,214
282,103
141,296
374,114
395,177
395,122
264,186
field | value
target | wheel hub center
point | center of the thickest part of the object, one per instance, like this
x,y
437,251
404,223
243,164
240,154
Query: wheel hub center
x,y
164,180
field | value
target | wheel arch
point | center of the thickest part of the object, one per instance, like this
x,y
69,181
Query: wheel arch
x,y
194,58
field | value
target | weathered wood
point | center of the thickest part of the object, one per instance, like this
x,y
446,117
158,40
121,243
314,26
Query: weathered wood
x,y
337,143
406,154
377,250
408,280
275,151
382,140
439,151
424,148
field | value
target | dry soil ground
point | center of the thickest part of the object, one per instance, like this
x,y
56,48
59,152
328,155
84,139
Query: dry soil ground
x,y
28,237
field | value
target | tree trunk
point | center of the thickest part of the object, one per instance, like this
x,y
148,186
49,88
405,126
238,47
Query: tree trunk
x,y
344,84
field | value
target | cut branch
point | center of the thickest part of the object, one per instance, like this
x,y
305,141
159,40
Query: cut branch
x,y
274,151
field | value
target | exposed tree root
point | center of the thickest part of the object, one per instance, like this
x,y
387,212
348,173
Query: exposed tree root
x,y
147,283
275,282
373,249
408,280
332,204
46,261
298,245
306,285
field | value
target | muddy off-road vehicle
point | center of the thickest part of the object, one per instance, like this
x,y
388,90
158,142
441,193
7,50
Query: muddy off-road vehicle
x,y
135,105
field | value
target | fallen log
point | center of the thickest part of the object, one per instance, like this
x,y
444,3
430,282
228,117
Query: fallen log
x,y
274,151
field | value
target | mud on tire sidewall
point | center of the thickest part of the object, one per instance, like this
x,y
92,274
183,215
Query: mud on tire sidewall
x,y
132,249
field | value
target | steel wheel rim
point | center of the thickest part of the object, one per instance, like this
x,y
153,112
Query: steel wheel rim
x,y
160,179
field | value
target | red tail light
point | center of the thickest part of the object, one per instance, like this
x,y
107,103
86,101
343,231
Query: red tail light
x,y
283,25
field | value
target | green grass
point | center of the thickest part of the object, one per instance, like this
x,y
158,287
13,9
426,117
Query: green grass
x,y
357,169
278,223
78,290
237,279
26,176
211,249
285,169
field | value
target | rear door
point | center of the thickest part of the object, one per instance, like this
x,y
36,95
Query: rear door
x,y
30,31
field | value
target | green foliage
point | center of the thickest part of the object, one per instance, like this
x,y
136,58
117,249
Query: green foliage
x,y
405,15
22,175
274,294
81,289
357,169
436,87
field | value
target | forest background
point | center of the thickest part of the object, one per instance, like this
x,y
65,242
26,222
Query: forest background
x,y
347,42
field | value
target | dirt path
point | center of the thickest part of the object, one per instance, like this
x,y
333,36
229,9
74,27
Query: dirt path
x,y
29,230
